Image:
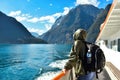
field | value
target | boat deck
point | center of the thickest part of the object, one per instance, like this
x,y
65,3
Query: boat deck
x,y
112,68
113,72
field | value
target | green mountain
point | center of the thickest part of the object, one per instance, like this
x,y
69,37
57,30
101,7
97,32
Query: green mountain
x,y
12,31
82,16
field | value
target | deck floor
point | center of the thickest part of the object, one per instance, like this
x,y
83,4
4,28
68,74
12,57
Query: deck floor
x,y
104,75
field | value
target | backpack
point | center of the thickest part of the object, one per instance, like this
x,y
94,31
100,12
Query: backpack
x,y
94,59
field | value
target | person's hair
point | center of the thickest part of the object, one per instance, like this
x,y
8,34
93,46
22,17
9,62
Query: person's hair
x,y
80,34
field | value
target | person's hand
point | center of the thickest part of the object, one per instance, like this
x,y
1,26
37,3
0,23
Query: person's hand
x,y
64,71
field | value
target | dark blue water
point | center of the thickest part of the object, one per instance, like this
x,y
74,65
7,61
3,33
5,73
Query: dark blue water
x,y
28,61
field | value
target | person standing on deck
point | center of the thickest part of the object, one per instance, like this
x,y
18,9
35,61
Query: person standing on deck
x,y
77,53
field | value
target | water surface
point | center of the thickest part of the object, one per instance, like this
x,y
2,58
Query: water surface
x,y
30,61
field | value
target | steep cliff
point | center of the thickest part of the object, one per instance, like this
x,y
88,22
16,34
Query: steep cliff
x,y
82,16
12,31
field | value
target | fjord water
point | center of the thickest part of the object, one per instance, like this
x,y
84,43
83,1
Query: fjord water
x,y
31,61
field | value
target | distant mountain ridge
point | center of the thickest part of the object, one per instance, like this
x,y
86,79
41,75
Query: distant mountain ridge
x,y
35,34
82,16
12,31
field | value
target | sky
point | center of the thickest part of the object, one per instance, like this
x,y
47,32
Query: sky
x,y
39,15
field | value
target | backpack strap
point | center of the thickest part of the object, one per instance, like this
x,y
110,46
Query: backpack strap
x,y
97,76
96,60
96,64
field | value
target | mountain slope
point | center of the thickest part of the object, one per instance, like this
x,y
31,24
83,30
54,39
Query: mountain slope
x,y
95,27
12,31
62,30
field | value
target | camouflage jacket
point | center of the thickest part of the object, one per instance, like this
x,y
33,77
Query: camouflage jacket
x,y
77,53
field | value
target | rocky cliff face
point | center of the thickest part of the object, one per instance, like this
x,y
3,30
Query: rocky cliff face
x,y
12,31
83,16
95,27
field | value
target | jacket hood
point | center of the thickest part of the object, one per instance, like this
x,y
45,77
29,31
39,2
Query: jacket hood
x,y
80,34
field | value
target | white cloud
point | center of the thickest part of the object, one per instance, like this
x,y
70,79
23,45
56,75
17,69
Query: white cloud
x,y
49,19
36,30
52,18
57,15
19,16
26,17
46,20
66,10
93,2
33,20
48,26
40,31
14,13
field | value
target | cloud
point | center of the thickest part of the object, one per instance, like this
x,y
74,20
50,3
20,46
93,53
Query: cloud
x,y
33,20
26,17
93,2
19,16
36,30
48,26
47,20
56,15
66,10
14,13
52,18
